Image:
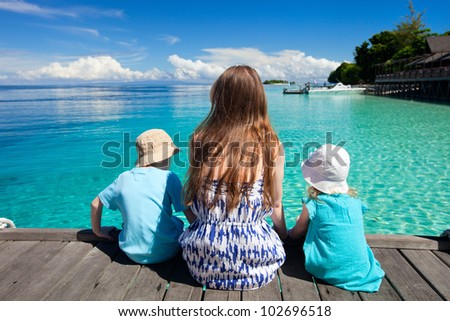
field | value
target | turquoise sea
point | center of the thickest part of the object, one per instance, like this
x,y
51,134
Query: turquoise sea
x,y
60,146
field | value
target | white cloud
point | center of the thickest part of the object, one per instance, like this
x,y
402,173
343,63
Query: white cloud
x,y
285,64
170,40
96,12
186,69
292,65
101,68
23,7
77,30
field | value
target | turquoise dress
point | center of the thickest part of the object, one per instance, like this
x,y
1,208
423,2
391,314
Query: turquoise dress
x,y
335,247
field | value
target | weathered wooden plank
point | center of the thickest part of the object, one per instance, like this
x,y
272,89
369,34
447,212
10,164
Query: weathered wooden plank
x,y
444,256
269,292
182,287
48,234
385,293
222,295
40,280
296,283
374,240
116,280
305,287
408,242
39,234
26,265
329,292
404,278
10,251
432,268
41,270
151,282
78,283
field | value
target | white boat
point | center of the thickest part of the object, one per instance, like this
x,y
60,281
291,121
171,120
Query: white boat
x,y
299,90
339,88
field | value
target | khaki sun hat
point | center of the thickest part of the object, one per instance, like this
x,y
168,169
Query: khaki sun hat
x,y
154,146
327,169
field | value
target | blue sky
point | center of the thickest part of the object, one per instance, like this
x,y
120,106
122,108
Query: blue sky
x,y
112,40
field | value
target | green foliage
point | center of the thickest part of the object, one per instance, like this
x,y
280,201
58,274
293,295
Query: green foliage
x,y
275,81
347,73
384,45
407,40
363,60
411,27
334,76
351,75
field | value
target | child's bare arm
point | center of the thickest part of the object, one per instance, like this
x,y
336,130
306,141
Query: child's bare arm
x,y
301,226
96,218
191,217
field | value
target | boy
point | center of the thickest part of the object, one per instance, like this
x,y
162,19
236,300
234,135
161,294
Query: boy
x,y
145,196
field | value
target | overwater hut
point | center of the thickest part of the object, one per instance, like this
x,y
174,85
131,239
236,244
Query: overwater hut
x,y
422,78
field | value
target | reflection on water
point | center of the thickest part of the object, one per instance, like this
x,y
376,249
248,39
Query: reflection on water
x,y
51,141
399,150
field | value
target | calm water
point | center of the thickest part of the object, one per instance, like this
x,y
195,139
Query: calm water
x,y
54,141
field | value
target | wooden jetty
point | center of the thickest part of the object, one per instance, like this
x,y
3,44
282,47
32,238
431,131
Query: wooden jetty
x,y
420,78
74,265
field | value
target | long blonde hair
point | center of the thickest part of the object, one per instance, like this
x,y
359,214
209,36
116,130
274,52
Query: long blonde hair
x,y
237,131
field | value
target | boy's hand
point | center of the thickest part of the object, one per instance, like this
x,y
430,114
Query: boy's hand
x,y
104,232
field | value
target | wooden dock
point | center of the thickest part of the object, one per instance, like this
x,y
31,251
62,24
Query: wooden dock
x,y
74,265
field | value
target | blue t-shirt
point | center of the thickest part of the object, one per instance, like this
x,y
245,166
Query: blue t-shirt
x,y
335,247
145,196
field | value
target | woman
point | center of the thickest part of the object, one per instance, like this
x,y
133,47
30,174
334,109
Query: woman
x,y
234,183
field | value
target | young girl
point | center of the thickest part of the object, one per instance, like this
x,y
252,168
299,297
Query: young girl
x,y
234,183
335,246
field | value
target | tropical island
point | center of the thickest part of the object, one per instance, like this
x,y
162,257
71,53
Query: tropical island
x,y
407,41
278,82
408,62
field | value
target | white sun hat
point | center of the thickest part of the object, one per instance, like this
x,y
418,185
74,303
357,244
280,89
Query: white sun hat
x,y
154,146
327,169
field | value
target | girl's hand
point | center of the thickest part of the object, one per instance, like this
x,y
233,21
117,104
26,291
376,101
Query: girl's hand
x,y
301,226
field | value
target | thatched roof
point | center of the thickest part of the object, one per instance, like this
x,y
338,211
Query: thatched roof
x,y
439,44
439,51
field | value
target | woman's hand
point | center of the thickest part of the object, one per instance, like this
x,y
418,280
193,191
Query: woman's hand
x,y
278,212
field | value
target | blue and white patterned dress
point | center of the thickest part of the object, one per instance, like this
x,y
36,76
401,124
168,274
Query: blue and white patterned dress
x,y
235,249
